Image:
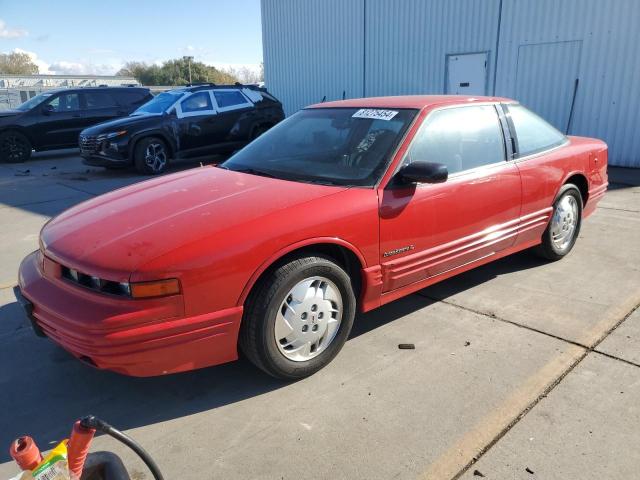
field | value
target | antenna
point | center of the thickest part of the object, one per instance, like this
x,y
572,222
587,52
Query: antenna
x,y
343,94
323,99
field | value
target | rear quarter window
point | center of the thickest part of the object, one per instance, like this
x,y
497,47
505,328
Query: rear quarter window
x,y
534,134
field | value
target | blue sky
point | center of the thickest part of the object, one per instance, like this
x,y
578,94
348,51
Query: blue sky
x,y
97,37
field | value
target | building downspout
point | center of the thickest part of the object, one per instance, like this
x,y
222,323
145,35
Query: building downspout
x,y
495,68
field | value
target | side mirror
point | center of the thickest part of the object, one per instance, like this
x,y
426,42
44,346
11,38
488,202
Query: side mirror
x,y
48,109
423,172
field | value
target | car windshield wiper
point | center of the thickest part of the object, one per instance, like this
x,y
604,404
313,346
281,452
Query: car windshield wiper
x,y
253,171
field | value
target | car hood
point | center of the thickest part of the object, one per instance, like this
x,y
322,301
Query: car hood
x,y
118,123
9,113
118,232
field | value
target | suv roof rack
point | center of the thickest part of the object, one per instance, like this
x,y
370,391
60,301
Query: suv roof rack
x,y
251,86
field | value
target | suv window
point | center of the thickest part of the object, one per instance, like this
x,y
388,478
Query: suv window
x,y
198,102
533,133
65,102
131,97
99,100
462,138
230,99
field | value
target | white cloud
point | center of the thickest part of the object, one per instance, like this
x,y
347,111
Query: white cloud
x,y
83,68
6,32
64,67
43,67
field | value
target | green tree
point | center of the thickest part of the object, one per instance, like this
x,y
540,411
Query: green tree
x,y
17,64
175,72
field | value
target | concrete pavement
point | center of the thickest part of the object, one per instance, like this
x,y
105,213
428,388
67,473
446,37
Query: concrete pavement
x,y
518,364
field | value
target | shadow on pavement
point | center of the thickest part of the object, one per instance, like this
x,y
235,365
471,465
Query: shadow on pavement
x,y
517,262
46,389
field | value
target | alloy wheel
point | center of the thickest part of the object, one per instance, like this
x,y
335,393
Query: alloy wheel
x,y
14,148
155,157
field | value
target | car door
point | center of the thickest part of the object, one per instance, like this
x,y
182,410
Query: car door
x,y
101,106
237,116
197,124
429,229
61,120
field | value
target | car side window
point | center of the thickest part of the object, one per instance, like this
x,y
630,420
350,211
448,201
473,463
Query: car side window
x,y
100,100
462,138
230,99
534,134
65,102
130,98
198,102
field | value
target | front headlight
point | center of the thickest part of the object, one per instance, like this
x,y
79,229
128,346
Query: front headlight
x,y
109,136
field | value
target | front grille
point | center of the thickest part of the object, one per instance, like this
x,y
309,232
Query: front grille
x,y
88,144
95,283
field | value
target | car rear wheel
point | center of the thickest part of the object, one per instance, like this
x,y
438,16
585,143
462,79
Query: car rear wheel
x,y
298,317
151,156
14,147
563,229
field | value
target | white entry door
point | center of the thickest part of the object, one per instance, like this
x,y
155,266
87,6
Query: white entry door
x,y
467,74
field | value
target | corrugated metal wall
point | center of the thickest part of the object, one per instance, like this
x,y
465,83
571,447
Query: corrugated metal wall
x,y
537,50
312,49
407,41
607,102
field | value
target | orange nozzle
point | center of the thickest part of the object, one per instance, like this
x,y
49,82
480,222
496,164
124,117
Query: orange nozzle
x,y
78,447
25,452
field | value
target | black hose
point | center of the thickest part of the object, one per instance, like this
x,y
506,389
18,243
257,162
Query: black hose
x,y
101,426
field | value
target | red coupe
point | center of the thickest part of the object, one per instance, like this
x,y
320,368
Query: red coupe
x,y
342,207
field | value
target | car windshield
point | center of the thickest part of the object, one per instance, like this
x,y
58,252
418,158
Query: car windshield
x,y
32,102
160,103
333,146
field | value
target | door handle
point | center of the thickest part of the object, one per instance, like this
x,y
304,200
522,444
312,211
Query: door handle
x,y
76,115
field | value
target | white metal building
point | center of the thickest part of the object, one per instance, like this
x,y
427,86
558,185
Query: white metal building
x,y
575,62
17,89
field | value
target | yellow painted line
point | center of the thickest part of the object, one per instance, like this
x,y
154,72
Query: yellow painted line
x,y
494,425
610,319
490,427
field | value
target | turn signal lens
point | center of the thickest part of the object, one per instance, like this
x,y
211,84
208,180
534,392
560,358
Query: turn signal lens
x,y
160,288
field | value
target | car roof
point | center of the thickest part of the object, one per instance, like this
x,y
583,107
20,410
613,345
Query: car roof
x,y
84,89
409,101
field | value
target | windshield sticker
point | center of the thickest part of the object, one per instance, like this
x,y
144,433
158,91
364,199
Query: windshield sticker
x,y
375,114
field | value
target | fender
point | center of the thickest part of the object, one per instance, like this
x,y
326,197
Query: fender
x,y
290,248
20,129
150,133
567,177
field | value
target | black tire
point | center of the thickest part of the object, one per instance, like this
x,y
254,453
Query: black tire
x,y
141,156
549,249
257,333
14,147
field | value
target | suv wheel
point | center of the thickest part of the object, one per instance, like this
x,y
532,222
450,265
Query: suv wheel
x,y
14,147
151,156
298,317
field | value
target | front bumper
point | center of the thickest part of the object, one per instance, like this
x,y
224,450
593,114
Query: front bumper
x,y
143,337
104,152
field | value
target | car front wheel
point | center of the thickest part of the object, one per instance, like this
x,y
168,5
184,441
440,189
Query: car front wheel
x,y
14,147
298,317
563,229
151,156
